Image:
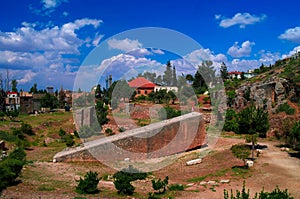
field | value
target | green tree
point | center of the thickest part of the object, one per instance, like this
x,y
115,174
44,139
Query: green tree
x,y
224,71
294,136
253,121
167,77
89,184
12,114
160,185
14,85
101,112
240,151
34,89
174,77
61,98
49,101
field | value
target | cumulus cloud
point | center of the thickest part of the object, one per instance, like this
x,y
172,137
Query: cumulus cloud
x,y
198,56
124,44
244,50
292,34
27,77
123,63
63,39
241,19
292,52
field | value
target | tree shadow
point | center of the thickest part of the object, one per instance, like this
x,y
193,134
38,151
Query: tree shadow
x,y
295,154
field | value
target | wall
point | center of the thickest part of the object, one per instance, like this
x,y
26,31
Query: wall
x,y
155,140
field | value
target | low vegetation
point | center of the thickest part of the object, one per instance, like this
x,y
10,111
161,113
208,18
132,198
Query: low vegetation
x,y
89,184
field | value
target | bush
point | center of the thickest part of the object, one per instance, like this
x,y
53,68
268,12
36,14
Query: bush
x,y
89,184
275,194
231,121
27,129
176,187
123,179
286,108
10,168
160,185
240,151
109,132
170,112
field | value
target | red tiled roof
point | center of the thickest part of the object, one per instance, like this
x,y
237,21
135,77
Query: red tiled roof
x,y
11,92
235,73
141,82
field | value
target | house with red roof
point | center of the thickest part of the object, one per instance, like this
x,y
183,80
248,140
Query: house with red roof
x,y
12,101
142,86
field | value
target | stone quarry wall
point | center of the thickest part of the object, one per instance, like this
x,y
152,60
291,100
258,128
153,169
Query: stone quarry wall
x,y
84,116
159,139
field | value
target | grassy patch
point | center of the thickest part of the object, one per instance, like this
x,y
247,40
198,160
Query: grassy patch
x,y
216,174
45,188
241,172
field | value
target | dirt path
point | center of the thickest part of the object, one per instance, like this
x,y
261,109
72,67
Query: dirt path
x,y
273,168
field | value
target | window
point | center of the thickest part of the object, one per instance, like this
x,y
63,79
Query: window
x,y
146,92
139,92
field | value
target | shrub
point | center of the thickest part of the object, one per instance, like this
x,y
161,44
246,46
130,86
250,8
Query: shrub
x,y
286,108
123,179
170,112
109,132
240,151
231,121
160,185
275,194
176,187
89,184
27,129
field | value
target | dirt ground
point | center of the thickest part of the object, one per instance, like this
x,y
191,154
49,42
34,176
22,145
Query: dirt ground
x,y
44,179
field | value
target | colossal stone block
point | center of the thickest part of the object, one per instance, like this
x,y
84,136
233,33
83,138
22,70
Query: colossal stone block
x,y
156,140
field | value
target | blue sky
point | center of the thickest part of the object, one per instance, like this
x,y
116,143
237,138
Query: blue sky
x,y
47,41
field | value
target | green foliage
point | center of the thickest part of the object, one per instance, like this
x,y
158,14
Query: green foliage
x,y
109,132
123,179
224,71
168,112
67,138
252,120
152,195
286,108
101,112
168,75
275,194
12,114
176,187
240,151
10,167
14,84
231,123
27,129
88,131
160,185
293,137
89,184
49,101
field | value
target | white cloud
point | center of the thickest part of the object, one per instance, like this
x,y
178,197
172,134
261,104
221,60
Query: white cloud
x,y
123,63
124,45
292,34
198,56
292,52
243,64
157,51
241,19
62,39
97,39
237,51
27,77
48,7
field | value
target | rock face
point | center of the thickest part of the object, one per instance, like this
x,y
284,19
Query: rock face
x,y
156,140
268,94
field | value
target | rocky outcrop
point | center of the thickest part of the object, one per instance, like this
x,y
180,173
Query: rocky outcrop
x,y
268,94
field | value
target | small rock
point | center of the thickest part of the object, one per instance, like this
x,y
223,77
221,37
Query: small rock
x,y
203,183
249,163
191,184
211,182
54,160
224,181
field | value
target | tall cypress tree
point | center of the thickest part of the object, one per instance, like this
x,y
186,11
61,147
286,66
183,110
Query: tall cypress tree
x,y
167,78
174,77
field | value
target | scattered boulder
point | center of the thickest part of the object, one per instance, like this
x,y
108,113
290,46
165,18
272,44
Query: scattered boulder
x,y
249,163
225,181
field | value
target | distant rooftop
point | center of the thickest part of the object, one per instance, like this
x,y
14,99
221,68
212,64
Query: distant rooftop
x,y
141,82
